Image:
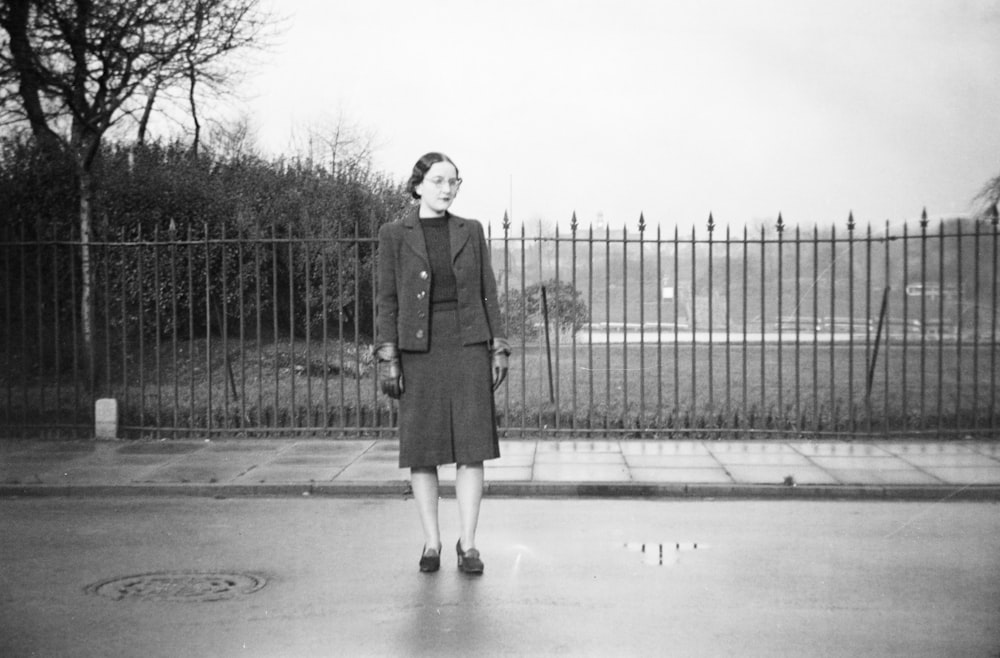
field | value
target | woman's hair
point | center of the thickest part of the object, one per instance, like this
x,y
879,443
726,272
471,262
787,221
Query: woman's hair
x,y
420,169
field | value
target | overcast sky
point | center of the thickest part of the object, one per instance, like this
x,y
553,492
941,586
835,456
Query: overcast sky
x,y
609,108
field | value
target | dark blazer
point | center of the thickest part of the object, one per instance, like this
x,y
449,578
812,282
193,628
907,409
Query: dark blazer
x,y
404,283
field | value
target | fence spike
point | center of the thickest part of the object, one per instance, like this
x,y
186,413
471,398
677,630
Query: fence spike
x,y
506,222
711,222
642,222
781,223
994,214
573,224
923,218
850,221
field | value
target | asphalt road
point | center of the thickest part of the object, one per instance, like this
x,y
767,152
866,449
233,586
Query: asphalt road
x,y
338,577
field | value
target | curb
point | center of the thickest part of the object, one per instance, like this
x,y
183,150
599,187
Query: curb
x,y
567,490
744,491
352,490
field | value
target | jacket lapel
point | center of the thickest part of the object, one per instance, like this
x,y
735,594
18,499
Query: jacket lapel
x,y
413,236
459,235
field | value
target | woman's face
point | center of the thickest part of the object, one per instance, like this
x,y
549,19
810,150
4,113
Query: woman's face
x,y
439,188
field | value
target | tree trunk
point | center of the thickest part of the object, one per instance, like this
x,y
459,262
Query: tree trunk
x,y
87,321
193,79
147,111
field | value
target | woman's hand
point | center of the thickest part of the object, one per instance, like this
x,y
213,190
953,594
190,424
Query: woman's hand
x,y
391,378
390,372
501,354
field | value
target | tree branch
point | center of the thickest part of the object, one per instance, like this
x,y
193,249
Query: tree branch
x,y
29,79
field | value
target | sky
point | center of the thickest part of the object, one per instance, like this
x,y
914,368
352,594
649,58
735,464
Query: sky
x,y
670,108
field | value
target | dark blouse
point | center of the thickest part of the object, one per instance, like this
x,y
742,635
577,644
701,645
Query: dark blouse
x,y
438,240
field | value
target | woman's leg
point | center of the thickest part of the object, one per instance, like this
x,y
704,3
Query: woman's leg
x,y
424,482
469,492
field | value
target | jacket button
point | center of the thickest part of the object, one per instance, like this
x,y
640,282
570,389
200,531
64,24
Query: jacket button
x,y
421,294
420,333
423,275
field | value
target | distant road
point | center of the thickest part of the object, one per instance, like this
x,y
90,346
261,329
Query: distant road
x,y
721,337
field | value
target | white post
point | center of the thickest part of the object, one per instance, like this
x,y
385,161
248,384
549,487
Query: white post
x,y
106,418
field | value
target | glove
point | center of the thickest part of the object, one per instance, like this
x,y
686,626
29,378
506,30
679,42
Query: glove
x,y
390,372
501,354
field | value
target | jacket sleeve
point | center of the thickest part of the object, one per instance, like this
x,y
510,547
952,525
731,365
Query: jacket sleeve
x,y
489,287
386,299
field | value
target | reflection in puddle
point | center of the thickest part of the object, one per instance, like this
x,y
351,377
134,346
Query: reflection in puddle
x,y
662,554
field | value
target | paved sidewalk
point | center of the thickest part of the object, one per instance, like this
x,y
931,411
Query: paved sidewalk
x,y
546,467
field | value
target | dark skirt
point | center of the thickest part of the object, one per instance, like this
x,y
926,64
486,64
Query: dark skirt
x,y
446,412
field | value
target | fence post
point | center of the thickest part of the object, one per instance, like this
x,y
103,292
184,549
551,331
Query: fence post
x,y
548,348
878,338
995,221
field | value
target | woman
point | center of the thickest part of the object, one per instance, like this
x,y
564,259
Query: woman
x,y
441,352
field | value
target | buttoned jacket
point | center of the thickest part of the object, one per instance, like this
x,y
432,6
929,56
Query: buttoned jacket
x,y
403,299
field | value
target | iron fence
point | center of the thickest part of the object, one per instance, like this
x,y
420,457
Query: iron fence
x,y
711,331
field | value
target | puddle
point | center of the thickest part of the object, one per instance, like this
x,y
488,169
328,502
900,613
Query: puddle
x,y
663,554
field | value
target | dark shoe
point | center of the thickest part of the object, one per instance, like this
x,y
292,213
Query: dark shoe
x,y
468,561
430,560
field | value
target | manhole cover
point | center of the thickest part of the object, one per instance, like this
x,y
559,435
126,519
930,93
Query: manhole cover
x,y
179,586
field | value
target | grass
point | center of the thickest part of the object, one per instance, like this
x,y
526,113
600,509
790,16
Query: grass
x,y
738,390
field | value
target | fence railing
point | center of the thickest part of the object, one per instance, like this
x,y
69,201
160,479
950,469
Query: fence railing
x,y
709,331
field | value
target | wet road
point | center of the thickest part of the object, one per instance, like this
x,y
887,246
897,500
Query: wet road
x,y
563,577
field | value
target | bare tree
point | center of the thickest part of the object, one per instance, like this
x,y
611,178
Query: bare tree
x,y
988,198
343,145
234,141
74,68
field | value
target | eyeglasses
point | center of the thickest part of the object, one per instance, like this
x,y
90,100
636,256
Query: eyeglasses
x,y
439,182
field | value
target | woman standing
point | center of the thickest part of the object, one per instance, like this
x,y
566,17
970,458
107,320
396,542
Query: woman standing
x,y
440,349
